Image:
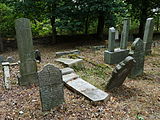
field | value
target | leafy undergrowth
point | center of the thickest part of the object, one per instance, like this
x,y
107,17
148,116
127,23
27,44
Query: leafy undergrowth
x,y
136,99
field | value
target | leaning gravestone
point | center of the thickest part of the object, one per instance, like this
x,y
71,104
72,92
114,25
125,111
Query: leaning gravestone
x,y
137,52
28,67
120,73
51,87
148,36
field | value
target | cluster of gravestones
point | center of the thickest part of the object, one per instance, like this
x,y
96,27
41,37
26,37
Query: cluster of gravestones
x,y
50,80
139,49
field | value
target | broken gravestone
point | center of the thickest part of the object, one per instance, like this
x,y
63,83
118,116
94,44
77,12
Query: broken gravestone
x,y
6,75
67,70
51,87
121,71
137,52
28,67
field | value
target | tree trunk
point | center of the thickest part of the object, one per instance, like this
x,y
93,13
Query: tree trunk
x,y
100,27
86,26
53,30
143,18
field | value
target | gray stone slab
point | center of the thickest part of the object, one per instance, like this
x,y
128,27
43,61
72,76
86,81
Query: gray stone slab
x,y
58,54
115,57
67,71
121,71
69,62
69,77
91,92
111,39
51,87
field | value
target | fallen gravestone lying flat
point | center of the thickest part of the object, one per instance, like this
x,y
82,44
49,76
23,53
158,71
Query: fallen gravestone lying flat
x,y
81,86
58,54
66,70
120,73
69,62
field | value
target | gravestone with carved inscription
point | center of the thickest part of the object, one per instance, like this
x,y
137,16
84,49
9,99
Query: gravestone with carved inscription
x,y
121,71
137,52
28,67
51,87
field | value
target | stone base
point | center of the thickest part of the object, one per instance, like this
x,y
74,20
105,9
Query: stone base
x,y
115,57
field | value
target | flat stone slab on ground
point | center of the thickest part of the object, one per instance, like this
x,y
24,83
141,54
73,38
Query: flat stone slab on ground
x,y
91,92
67,52
69,62
67,71
69,77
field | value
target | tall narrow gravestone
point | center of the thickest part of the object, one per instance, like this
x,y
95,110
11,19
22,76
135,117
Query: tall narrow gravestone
x,y
125,34
137,52
148,36
28,67
51,87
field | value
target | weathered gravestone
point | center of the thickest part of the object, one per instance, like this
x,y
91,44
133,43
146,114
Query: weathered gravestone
x,y
120,73
6,75
148,36
125,34
28,67
137,52
51,87
114,56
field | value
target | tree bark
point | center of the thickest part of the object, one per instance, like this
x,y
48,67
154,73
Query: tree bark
x,y
86,26
100,27
143,18
54,32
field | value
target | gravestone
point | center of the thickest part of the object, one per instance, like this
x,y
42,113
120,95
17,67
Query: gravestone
x,y
6,75
111,39
121,71
10,59
51,87
28,67
137,52
114,56
70,62
58,54
125,34
38,55
148,36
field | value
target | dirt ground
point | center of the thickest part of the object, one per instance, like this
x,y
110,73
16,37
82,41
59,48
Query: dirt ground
x,y
136,99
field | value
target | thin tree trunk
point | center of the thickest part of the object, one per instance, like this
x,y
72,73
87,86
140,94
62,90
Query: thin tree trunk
x,y
53,29
86,25
143,18
100,27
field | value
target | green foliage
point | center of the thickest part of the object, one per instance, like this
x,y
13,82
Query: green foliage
x,y
6,20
